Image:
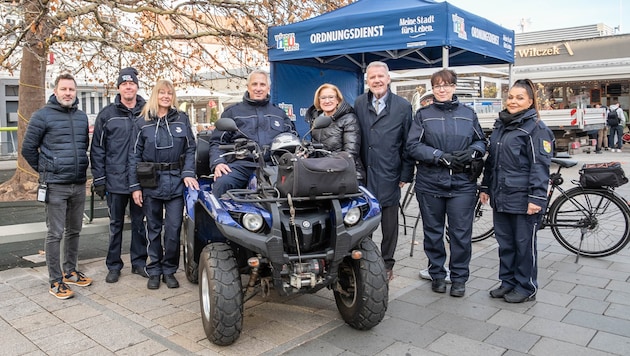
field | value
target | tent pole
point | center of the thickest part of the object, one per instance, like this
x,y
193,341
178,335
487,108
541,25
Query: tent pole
x,y
445,56
510,73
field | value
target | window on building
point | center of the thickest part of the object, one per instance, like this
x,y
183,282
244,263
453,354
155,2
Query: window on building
x,y
11,90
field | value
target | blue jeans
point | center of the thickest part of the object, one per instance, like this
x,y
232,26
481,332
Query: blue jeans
x,y
64,214
616,131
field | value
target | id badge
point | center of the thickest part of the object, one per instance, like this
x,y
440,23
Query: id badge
x,y
42,193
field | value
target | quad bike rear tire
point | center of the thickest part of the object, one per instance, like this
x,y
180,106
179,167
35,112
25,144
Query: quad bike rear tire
x,y
220,294
191,268
362,291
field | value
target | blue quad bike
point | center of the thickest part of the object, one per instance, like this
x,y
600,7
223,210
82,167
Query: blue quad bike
x,y
293,245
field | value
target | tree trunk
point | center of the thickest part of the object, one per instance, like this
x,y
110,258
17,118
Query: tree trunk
x,y
31,97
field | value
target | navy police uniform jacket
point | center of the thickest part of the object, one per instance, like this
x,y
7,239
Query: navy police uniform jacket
x,y
112,138
256,120
517,169
166,140
56,143
444,127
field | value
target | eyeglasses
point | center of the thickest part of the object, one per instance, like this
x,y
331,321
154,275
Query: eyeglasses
x,y
443,86
330,97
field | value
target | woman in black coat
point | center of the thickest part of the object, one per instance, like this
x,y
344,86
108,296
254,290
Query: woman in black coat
x,y
343,134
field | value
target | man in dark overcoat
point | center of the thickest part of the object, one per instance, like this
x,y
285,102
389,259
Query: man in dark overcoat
x,y
384,119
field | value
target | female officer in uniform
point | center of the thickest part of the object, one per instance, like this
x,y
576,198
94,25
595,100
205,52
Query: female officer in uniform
x,y
516,178
444,139
164,142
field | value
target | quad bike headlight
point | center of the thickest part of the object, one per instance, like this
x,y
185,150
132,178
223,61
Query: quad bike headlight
x,y
352,216
253,222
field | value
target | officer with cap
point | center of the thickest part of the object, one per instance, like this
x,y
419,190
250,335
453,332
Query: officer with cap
x,y
109,156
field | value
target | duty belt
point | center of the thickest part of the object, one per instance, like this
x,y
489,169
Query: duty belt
x,y
167,166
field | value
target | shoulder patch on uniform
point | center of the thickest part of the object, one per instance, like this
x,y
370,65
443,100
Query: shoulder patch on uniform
x,y
546,146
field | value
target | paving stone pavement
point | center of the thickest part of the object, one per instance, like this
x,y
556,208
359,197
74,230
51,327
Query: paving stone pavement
x,y
582,308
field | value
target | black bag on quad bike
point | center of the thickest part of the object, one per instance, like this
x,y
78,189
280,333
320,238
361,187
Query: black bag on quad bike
x,y
597,175
310,177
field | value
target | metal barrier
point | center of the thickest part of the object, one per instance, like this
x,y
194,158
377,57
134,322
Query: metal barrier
x,y
8,147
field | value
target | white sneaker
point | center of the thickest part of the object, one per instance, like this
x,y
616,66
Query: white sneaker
x,y
424,274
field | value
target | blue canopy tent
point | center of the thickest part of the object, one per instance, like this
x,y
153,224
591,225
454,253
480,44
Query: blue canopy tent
x,y
336,47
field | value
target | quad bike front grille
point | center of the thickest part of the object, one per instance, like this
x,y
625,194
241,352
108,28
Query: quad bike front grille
x,y
311,233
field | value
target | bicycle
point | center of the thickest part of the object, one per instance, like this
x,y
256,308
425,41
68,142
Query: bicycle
x,y
591,222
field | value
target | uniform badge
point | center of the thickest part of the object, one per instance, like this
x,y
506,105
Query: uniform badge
x,y
178,130
276,123
546,146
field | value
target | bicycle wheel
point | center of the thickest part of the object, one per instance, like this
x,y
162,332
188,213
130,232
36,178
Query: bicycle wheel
x,y
591,222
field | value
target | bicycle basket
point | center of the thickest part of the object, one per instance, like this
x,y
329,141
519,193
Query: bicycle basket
x,y
597,175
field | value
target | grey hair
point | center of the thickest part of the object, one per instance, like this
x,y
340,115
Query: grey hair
x,y
259,71
377,64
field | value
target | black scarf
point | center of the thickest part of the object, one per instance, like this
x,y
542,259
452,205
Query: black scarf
x,y
508,118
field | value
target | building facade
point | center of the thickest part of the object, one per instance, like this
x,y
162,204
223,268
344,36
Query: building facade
x,y
575,67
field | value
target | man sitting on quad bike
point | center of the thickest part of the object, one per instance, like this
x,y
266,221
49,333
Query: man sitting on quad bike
x,y
256,119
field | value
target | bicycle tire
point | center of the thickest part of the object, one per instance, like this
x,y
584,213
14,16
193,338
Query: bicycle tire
x,y
605,220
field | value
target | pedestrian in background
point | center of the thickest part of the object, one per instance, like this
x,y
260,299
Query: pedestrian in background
x,y
444,139
161,164
615,138
515,182
55,145
602,135
384,120
343,134
109,155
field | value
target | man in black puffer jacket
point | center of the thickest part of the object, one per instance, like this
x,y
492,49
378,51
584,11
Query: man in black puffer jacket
x,y
55,145
109,155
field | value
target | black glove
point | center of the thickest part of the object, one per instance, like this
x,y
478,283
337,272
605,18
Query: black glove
x,y
465,156
446,160
99,190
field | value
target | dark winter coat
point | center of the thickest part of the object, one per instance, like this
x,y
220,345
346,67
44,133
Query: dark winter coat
x,y
383,146
256,120
112,138
56,143
517,167
343,134
444,127
169,140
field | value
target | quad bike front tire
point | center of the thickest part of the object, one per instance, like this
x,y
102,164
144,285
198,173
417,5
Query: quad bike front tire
x,y
191,268
362,291
220,294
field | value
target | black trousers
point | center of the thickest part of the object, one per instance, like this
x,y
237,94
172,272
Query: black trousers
x,y
518,262
117,204
389,229
163,216
459,210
